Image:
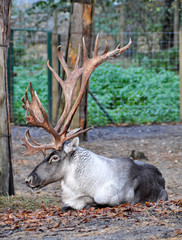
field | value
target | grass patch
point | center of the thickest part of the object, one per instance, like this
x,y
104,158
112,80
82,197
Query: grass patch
x,y
27,202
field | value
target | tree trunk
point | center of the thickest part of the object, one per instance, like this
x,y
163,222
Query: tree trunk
x,y
87,33
176,23
167,26
6,177
55,66
122,24
75,38
180,69
80,25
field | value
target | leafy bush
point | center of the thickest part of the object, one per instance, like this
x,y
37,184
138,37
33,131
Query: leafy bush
x,y
133,95
168,59
38,76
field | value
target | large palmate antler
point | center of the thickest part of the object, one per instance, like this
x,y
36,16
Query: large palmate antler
x,y
37,114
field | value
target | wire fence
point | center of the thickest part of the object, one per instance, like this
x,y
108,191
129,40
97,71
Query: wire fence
x,y
145,88
28,53
30,49
154,50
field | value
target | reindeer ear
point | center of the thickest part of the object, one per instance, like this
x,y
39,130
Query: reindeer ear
x,y
72,145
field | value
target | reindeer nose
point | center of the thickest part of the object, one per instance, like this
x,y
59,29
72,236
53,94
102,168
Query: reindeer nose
x,y
28,180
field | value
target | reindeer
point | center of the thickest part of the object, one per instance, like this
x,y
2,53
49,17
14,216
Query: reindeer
x,y
87,179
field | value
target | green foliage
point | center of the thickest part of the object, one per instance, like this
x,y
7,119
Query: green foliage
x,y
108,23
168,59
19,51
37,75
139,16
146,16
133,95
47,7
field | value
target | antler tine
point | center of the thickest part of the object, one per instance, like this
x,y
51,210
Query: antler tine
x,y
77,133
24,99
58,78
118,46
61,59
31,91
42,110
33,149
67,99
85,54
37,114
26,105
106,49
26,95
32,140
30,149
78,58
96,47
125,47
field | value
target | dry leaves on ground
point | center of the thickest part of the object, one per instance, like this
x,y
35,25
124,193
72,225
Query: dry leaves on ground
x,y
53,218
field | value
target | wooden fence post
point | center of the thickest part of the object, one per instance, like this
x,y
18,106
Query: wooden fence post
x,y
54,81
75,37
6,175
88,10
81,25
180,68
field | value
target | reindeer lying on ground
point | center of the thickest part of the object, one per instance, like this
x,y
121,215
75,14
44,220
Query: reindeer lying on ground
x,y
86,178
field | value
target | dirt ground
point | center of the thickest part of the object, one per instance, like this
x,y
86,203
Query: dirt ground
x,y
161,144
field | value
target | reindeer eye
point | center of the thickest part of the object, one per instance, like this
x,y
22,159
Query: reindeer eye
x,y
54,158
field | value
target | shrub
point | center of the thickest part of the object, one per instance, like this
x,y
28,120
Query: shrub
x,y
168,59
133,95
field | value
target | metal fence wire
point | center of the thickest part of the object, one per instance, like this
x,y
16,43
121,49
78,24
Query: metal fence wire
x,y
30,49
147,49
28,53
150,54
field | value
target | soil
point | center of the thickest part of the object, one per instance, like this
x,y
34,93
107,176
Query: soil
x,y
160,145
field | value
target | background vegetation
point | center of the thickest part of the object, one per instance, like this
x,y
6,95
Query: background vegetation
x,y
38,76
131,95
134,95
143,89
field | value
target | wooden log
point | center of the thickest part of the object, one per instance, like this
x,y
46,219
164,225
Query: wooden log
x,y
54,81
180,67
6,178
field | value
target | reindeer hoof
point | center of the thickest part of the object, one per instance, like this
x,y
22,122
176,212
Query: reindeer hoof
x,y
67,208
